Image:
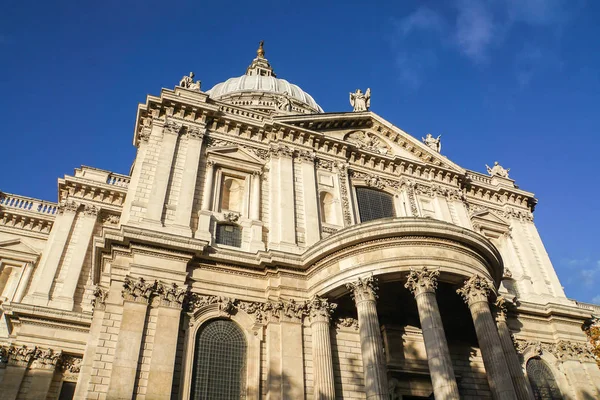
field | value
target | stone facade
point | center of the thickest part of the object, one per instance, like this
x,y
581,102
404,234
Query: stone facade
x,y
247,203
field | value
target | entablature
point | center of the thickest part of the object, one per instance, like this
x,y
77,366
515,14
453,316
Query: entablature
x,y
101,188
33,216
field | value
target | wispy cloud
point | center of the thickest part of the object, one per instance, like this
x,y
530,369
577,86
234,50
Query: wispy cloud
x,y
586,271
475,29
596,300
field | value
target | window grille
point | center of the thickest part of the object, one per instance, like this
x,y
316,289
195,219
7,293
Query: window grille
x,y
228,234
542,380
219,362
374,204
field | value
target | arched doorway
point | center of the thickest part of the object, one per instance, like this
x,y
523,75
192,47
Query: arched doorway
x,y
542,380
219,362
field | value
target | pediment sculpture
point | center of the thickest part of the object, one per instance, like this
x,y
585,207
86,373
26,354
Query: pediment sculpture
x,y
433,143
365,140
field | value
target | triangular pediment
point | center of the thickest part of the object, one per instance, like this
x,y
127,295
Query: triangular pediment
x,y
489,223
18,249
235,153
370,133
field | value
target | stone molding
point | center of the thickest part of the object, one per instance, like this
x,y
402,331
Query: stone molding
x,y
422,281
475,289
363,289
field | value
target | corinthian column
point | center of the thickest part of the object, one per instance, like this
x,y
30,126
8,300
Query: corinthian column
x,y
320,313
423,284
371,345
519,381
475,293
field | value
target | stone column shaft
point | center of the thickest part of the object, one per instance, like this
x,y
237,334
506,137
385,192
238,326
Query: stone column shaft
x,y
475,292
320,313
160,183
11,381
520,383
371,345
423,284
183,213
40,383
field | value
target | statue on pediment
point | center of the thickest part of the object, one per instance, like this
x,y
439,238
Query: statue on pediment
x,y
433,143
188,82
497,170
360,101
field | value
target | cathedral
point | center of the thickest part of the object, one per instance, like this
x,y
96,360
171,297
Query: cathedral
x,y
262,248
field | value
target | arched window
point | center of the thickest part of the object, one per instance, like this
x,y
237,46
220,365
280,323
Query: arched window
x,y
229,234
327,203
219,362
542,380
374,204
232,194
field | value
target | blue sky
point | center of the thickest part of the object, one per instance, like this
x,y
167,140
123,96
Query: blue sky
x,y
516,81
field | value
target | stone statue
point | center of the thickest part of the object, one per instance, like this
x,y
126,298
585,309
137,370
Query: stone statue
x,y
360,101
188,82
497,170
284,103
433,143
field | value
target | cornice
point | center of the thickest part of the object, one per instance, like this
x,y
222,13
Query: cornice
x,y
47,315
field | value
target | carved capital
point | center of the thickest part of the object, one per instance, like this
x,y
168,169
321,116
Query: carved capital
x,y
90,210
21,356
172,128
68,206
47,359
139,291
320,309
475,289
282,151
71,364
99,300
231,216
306,156
422,281
144,135
195,133
171,295
363,289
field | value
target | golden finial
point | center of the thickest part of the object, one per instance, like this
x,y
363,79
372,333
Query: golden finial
x,y
261,50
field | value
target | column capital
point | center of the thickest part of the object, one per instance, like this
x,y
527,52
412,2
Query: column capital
x,y
319,309
363,289
171,295
68,206
172,128
475,289
20,356
47,359
422,281
193,132
138,291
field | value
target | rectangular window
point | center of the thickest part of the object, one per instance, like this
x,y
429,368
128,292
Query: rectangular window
x,y
67,391
374,204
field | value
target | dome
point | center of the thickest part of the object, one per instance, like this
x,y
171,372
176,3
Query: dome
x,y
259,83
260,89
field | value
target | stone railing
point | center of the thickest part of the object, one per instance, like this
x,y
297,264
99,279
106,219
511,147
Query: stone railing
x,y
118,180
587,306
28,204
477,177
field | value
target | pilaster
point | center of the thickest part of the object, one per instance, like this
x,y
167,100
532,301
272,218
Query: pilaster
x,y
42,372
56,245
18,361
310,199
283,211
183,212
156,202
374,366
136,173
204,216
423,285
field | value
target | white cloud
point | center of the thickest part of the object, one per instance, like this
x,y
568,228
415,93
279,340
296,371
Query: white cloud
x,y
423,18
596,300
475,29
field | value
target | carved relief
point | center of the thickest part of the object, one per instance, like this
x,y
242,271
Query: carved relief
x,y
172,128
111,219
263,154
363,289
422,281
475,289
48,358
226,305
307,156
90,210
368,141
68,206
342,172
21,355
347,323
563,350
280,150
71,364
171,295
231,216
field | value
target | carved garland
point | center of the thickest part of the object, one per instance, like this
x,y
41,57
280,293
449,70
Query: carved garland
x,y
563,350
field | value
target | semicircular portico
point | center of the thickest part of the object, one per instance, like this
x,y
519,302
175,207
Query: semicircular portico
x,y
388,248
